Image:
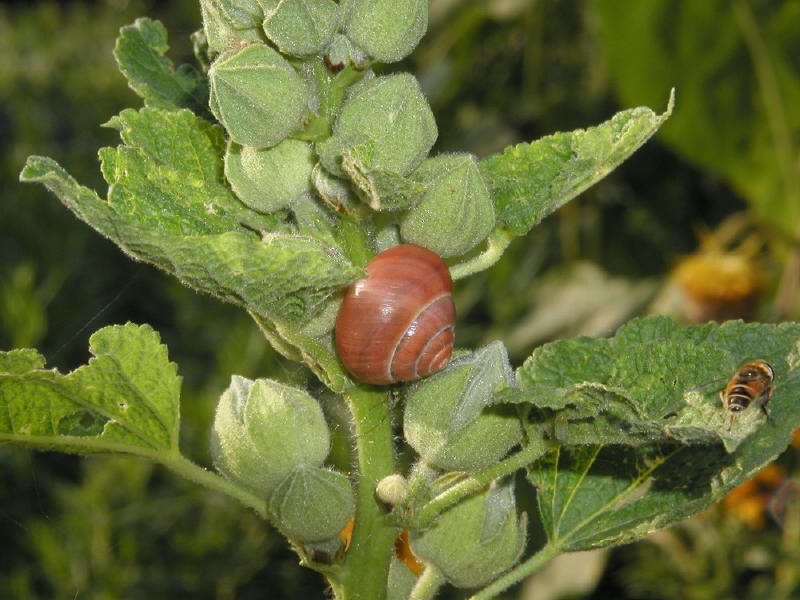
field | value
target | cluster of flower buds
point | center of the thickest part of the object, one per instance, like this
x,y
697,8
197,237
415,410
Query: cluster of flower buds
x,y
453,421
273,439
291,82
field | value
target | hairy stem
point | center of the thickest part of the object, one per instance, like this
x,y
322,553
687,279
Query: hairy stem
x,y
495,246
545,554
194,472
428,584
418,481
366,568
478,481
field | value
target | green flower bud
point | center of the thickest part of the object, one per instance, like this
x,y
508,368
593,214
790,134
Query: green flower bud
x,y
268,179
392,489
386,237
334,191
386,29
264,429
312,504
390,122
302,27
343,53
400,582
226,27
242,14
476,540
257,95
456,212
449,418
378,188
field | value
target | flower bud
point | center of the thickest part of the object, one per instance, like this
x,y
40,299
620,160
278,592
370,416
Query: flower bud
x,y
242,14
264,429
334,191
386,29
476,540
378,188
226,27
302,27
400,582
449,418
342,53
312,504
392,489
256,95
391,122
456,212
268,179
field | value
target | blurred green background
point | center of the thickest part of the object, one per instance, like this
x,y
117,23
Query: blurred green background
x,y
702,223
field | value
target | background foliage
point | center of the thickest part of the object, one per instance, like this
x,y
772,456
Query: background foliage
x,y
496,72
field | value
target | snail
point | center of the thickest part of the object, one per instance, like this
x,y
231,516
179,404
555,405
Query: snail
x,y
397,323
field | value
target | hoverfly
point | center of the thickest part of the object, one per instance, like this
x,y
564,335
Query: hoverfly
x,y
753,383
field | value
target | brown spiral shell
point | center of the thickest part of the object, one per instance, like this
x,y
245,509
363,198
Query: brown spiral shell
x,y
397,323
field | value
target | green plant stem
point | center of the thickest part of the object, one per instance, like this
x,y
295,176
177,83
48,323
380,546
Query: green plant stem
x,y
498,241
545,554
366,567
194,472
477,482
428,584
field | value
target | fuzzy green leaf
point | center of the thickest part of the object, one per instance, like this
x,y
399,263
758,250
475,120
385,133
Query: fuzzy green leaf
x,y
655,381
126,399
644,432
168,175
531,180
167,208
139,51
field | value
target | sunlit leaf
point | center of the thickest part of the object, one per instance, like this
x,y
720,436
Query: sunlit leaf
x,y
126,399
644,435
282,276
139,51
531,180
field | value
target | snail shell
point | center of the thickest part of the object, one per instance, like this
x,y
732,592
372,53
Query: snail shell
x,y
397,323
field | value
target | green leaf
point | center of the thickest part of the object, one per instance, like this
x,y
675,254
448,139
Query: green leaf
x,y
655,381
126,399
603,489
733,63
168,206
20,360
139,51
168,175
531,180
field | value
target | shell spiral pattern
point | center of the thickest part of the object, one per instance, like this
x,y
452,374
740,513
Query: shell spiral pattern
x,y
397,323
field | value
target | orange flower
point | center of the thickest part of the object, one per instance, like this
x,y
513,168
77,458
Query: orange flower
x,y
724,277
